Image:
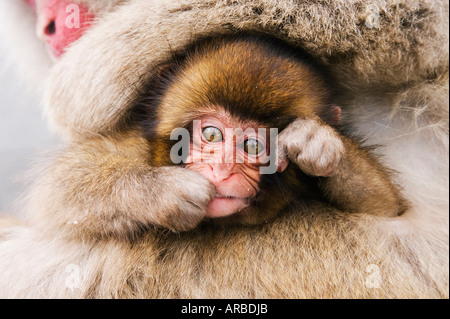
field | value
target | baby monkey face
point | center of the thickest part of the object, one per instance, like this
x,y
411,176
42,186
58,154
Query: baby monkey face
x,y
229,152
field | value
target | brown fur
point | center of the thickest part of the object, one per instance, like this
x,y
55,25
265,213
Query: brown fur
x,y
100,189
251,76
320,255
109,192
393,82
120,187
265,81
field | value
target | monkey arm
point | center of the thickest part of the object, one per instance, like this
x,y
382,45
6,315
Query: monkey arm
x,y
360,184
104,186
349,176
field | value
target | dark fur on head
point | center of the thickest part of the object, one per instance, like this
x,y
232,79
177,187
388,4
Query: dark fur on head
x,y
226,71
250,77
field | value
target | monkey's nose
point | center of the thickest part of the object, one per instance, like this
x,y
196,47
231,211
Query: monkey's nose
x,y
60,23
222,171
50,29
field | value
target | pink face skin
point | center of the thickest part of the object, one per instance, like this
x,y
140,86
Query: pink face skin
x,y
231,167
60,23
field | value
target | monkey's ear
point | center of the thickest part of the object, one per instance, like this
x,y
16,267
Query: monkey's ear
x,y
332,115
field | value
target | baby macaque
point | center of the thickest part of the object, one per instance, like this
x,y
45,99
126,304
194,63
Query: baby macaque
x,y
256,127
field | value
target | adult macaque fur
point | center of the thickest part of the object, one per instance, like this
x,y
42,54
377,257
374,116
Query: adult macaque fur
x,y
391,72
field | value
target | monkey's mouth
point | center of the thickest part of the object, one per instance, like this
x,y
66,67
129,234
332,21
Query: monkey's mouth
x,y
227,197
223,205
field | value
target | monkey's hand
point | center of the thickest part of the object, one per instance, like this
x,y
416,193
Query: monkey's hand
x,y
315,147
355,181
182,197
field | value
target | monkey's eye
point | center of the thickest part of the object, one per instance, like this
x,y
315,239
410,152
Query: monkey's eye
x,y
212,134
253,147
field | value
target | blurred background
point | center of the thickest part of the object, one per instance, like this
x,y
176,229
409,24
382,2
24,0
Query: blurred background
x,y
23,135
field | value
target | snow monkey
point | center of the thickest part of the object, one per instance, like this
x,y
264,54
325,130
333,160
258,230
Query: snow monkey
x,y
114,216
228,93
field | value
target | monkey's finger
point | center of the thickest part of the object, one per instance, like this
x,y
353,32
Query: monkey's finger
x,y
281,155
